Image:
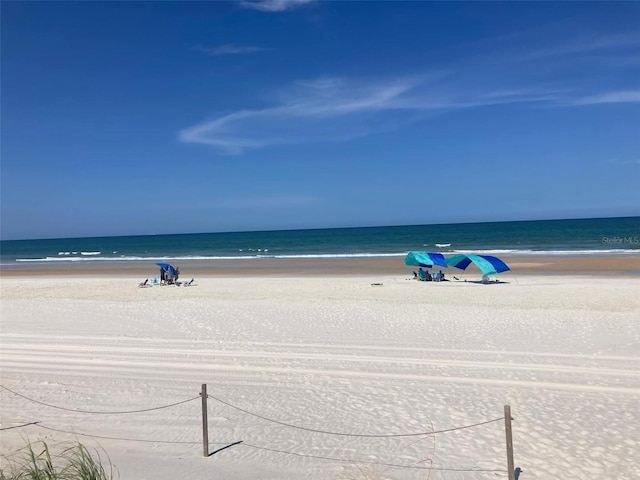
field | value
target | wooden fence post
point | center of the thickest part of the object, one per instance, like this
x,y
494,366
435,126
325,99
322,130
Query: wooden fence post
x,y
507,431
205,423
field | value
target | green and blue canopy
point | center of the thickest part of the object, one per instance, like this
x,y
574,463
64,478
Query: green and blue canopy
x,y
425,259
487,264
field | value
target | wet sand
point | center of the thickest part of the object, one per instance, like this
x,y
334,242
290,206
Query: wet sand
x,y
621,265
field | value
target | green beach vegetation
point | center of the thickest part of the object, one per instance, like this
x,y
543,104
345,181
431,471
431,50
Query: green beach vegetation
x,y
36,461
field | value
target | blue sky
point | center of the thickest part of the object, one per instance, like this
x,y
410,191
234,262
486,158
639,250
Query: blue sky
x,y
126,118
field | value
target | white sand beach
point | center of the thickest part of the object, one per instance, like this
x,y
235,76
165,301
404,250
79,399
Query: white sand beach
x,y
305,370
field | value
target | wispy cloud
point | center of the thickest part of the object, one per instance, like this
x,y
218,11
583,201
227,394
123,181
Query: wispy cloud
x,y
273,5
622,96
330,108
230,49
334,109
322,109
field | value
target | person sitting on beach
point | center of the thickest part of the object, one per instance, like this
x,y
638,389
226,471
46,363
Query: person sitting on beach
x,y
425,275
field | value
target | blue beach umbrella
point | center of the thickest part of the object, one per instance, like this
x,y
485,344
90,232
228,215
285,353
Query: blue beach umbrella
x,y
170,269
425,259
487,264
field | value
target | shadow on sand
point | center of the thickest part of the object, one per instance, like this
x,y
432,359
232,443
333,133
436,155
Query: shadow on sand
x,y
225,447
484,282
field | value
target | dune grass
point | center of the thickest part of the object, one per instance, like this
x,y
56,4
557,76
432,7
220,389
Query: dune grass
x,y
36,461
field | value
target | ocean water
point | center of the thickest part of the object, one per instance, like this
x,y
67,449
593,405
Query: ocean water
x,y
577,236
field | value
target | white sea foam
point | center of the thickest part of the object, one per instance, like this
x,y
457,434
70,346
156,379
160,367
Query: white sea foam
x,y
207,257
94,256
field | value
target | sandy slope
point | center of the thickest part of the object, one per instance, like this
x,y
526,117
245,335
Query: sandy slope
x,y
333,354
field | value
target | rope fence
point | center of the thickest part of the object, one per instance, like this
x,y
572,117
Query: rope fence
x,y
273,450
38,424
341,434
98,413
205,442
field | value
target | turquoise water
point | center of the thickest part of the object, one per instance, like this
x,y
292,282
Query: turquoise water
x,y
617,235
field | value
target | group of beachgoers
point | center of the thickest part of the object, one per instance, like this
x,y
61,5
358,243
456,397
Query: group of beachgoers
x,y
166,277
426,276
157,281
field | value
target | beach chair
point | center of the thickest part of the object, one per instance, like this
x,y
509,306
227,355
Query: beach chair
x,y
189,283
144,284
424,275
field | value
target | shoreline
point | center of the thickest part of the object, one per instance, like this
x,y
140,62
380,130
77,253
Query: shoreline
x,y
608,265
